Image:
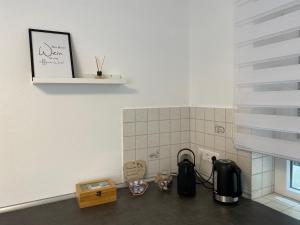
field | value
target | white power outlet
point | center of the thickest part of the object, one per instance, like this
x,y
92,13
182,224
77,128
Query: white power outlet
x,y
207,155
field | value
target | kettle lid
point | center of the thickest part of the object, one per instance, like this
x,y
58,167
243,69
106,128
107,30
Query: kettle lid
x,y
225,161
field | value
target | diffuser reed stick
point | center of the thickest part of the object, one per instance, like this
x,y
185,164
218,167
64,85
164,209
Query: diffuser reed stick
x,y
99,64
102,62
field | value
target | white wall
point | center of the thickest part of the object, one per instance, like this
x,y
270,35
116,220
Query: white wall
x,y
211,53
52,136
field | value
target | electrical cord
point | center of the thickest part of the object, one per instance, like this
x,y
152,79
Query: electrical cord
x,y
204,181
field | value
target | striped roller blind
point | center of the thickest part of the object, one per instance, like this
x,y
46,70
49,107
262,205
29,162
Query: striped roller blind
x,y
267,43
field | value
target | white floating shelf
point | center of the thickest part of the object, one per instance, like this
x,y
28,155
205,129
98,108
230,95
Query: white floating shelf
x,y
78,81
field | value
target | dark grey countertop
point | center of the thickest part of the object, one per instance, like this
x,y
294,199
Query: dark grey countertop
x,y
153,208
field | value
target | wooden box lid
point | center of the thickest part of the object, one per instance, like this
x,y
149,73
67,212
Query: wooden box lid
x,y
94,185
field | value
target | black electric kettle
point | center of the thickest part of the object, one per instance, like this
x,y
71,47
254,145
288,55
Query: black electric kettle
x,y
226,181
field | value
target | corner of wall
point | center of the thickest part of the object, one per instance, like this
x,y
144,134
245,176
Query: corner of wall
x,y
157,134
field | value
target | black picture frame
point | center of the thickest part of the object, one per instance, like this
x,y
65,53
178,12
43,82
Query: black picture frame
x,y
31,44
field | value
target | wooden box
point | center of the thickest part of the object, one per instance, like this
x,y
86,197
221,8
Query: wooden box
x,y
95,192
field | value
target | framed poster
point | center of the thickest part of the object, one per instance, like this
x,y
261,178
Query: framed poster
x,y
51,54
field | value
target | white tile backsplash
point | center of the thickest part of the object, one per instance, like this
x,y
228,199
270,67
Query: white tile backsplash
x,y
245,164
157,134
256,182
246,183
175,125
184,124
220,114
141,128
229,116
209,127
209,141
231,156
165,151
164,113
175,113
153,140
164,126
257,165
164,139
128,115
192,124
141,141
243,153
184,112
267,190
192,112
200,125
200,138
153,153
263,166
200,113
153,127
209,114
268,163
152,168
221,128
185,137
174,150
256,155
256,194
185,145
141,154
267,180
220,143
165,165
174,165
128,129
229,130
153,114
230,146
193,137
222,153
129,155
129,143
141,115
175,138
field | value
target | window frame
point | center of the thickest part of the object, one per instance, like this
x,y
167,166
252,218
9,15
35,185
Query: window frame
x,y
290,175
282,184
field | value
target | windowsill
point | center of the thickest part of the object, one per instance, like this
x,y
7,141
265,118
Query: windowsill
x,y
293,190
282,204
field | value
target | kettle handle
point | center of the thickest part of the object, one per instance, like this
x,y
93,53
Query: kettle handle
x,y
237,171
186,149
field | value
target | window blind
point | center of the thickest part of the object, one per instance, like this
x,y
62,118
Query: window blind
x,y
267,47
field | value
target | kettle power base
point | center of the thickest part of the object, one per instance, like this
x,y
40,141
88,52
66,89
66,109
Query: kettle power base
x,y
225,199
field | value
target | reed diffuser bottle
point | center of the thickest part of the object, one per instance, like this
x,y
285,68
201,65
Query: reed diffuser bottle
x,y
99,64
